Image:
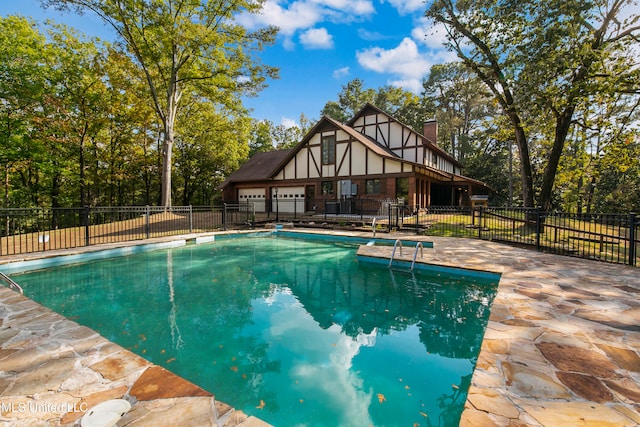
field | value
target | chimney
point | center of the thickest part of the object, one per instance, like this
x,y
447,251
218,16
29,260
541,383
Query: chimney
x,y
431,130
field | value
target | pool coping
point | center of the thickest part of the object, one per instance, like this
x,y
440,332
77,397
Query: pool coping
x,y
560,346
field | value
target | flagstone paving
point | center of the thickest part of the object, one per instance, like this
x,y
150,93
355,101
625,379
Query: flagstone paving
x,y
560,349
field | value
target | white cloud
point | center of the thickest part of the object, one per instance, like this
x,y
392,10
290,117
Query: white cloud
x,y
371,35
403,61
405,7
411,85
300,15
355,7
317,38
288,123
341,72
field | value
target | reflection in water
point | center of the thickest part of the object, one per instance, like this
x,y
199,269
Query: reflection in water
x,y
294,332
176,336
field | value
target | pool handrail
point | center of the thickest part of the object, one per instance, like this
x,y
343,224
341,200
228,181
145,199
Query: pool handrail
x,y
373,226
395,245
11,283
415,254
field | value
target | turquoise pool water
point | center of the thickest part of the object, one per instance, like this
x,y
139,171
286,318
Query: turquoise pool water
x,y
294,331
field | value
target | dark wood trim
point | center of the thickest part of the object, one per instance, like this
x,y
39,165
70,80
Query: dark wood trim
x,y
348,149
315,163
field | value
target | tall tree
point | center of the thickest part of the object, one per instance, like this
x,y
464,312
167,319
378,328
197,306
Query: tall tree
x,y
79,91
186,46
542,61
461,104
22,81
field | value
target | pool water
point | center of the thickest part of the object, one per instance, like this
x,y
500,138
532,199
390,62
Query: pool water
x,y
293,331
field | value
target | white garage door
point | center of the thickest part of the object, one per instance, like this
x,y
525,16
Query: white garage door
x,y
253,195
290,199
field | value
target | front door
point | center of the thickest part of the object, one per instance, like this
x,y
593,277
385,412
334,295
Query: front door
x,y
310,197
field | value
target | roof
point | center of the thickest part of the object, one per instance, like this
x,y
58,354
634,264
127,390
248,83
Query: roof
x,y
433,145
260,167
265,165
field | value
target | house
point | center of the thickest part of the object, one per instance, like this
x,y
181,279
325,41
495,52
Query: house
x,y
373,157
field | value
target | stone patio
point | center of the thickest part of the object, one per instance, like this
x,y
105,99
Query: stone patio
x,y
561,349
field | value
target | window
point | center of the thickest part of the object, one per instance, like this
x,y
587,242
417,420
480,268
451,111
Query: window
x,y
328,150
373,186
327,188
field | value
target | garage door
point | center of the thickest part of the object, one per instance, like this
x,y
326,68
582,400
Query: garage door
x,y
289,200
253,195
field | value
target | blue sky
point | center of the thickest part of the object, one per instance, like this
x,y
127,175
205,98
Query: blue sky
x,y
322,44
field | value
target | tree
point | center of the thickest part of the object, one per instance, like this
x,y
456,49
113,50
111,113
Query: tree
x,y
209,148
542,61
186,46
461,103
403,105
79,92
22,81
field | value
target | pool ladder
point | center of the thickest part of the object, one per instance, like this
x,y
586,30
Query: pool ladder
x,y
11,283
397,243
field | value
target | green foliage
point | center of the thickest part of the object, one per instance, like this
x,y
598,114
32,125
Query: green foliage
x,y
543,64
186,47
461,103
403,105
78,125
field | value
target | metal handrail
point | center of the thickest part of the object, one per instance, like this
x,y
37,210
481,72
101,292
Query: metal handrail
x,y
415,254
11,282
373,226
395,245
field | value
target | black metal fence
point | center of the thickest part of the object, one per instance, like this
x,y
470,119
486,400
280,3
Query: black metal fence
x,y
42,229
605,237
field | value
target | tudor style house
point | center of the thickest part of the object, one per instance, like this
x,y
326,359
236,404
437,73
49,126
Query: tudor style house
x,y
373,156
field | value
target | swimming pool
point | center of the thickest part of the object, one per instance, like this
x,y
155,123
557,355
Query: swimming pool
x,y
294,331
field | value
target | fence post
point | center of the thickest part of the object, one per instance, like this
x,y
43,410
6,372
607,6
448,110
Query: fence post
x,y
86,220
146,221
190,219
480,222
632,239
538,228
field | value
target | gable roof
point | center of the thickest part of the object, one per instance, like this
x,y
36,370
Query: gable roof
x,y
432,145
264,166
327,122
258,168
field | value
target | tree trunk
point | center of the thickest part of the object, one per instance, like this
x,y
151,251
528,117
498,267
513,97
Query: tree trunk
x,y
173,98
167,148
526,173
562,130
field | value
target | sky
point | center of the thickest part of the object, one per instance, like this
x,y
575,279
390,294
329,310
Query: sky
x,y
321,45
